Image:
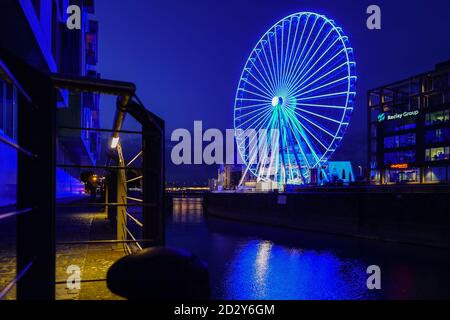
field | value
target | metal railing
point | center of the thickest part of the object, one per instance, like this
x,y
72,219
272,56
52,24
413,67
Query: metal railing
x,y
123,232
36,181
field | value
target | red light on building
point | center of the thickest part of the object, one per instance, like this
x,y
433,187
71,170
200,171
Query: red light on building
x,y
399,166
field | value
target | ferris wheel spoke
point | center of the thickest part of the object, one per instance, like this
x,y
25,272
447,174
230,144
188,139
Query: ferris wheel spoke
x,y
286,51
328,95
315,124
265,96
328,62
324,76
254,100
253,117
319,115
303,66
273,63
315,138
292,49
301,57
267,79
299,130
253,146
267,86
292,58
279,59
263,92
261,124
263,159
307,58
267,119
258,111
251,106
270,65
326,106
298,139
303,93
300,76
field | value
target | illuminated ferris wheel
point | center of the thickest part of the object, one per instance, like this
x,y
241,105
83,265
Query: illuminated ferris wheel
x,y
295,98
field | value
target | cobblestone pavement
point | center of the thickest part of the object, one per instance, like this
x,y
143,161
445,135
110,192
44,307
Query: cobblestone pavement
x,y
93,260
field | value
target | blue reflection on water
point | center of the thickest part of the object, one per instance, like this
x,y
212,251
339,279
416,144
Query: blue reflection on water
x,y
246,268
263,270
248,261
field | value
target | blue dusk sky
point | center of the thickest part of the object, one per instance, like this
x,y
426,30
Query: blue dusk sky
x,y
186,57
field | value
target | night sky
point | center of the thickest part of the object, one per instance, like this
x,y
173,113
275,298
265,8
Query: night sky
x,y
186,57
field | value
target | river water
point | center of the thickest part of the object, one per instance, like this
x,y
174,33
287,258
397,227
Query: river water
x,y
248,261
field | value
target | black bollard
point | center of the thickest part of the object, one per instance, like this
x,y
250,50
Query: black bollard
x,y
160,274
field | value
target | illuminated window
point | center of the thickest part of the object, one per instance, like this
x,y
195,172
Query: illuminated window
x,y
437,117
437,154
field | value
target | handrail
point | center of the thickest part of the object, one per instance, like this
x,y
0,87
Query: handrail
x,y
135,199
14,213
16,279
100,205
17,147
72,243
134,179
100,130
112,87
134,159
140,224
132,237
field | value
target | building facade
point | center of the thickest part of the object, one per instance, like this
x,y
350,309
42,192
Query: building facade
x,y
409,130
36,31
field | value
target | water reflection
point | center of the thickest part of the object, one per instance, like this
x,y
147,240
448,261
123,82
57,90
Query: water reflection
x,y
187,210
254,262
263,270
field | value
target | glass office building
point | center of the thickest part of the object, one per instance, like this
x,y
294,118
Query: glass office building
x,y
36,32
409,130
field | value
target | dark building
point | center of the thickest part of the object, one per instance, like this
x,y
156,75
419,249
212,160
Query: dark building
x,y
36,31
409,130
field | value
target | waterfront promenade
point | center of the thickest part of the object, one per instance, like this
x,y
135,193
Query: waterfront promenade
x,y
92,259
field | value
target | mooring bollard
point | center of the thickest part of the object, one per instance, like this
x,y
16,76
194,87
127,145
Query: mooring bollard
x,y
160,274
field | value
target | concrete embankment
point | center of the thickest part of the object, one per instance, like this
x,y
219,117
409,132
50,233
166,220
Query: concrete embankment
x,y
417,218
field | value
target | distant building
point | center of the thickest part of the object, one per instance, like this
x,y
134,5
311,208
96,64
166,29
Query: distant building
x,y
340,171
230,176
35,30
409,129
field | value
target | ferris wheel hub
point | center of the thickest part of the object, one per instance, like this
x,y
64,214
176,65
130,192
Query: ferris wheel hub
x,y
277,101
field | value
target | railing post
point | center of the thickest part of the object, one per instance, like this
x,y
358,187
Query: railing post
x,y
36,188
153,182
121,199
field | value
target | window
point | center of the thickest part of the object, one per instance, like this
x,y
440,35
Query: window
x,y
436,174
437,154
397,125
91,43
400,157
8,100
437,136
437,117
405,140
403,176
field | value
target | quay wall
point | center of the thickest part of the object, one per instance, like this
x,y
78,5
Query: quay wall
x,y
416,218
